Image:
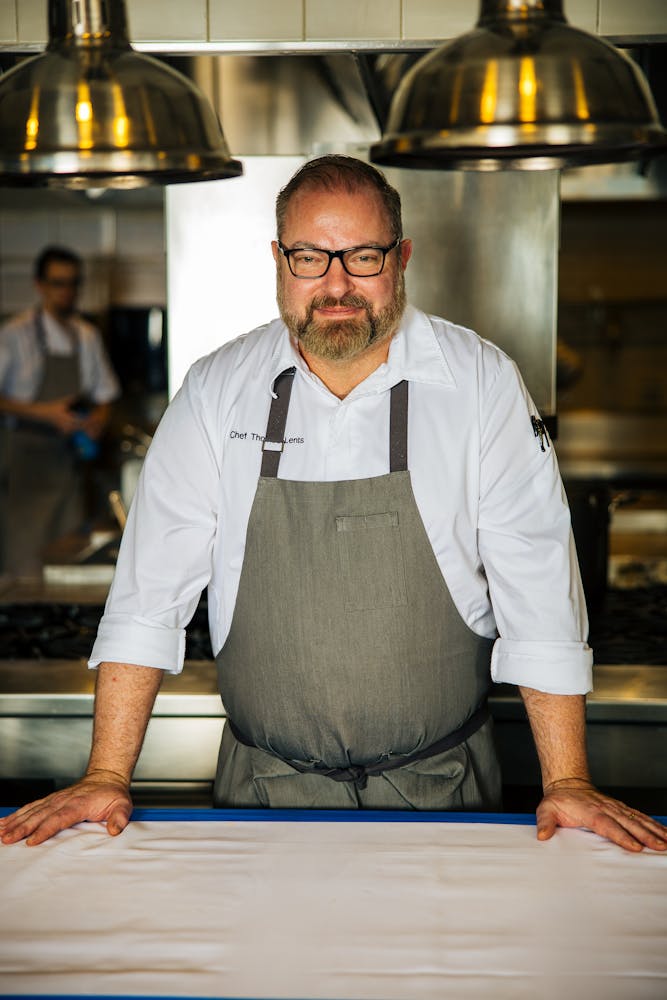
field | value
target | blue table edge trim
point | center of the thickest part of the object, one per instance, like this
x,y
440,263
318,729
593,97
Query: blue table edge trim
x,y
328,816
205,815
121,996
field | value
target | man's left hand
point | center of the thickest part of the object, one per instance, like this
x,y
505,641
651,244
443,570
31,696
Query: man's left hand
x,y
582,805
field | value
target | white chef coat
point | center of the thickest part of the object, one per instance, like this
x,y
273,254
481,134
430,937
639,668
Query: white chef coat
x,y
491,499
22,360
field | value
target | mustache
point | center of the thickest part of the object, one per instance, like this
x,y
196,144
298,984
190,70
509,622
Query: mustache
x,y
330,302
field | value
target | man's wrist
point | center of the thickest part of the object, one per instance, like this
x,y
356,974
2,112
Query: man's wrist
x,y
572,781
107,775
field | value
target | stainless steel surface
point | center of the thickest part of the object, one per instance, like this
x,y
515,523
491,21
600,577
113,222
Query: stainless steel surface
x,y
470,264
92,112
46,718
289,106
486,256
35,589
525,91
596,444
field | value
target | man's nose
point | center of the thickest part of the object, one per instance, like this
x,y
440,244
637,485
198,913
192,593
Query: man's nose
x,y
337,281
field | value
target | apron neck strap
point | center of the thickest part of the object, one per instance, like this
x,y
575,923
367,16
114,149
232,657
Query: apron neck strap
x,y
398,428
273,444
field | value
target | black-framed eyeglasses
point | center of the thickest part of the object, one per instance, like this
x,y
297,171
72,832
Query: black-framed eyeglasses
x,y
62,282
359,262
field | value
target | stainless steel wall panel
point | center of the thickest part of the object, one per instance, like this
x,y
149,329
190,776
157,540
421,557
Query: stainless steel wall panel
x,y
486,256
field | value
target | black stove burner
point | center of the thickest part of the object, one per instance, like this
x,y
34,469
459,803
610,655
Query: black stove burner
x,y
629,627
54,631
67,631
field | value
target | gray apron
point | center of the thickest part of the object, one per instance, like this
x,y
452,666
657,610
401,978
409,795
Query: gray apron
x,y
43,499
346,655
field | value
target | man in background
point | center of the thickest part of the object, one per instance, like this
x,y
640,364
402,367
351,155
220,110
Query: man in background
x,y
56,386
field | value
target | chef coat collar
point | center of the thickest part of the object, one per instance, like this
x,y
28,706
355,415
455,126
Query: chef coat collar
x,y
415,354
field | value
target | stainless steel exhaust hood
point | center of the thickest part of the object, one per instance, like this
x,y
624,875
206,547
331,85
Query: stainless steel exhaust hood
x,y
90,112
523,90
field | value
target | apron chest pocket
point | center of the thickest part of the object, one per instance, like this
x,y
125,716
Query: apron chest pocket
x,y
370,556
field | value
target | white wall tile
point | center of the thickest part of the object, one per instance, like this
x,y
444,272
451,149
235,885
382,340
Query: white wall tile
x,y
8,27
167,20
25,234
139,233
433,19
17,290
255,20
350,19
88,232
428,19
94,298
32,20
149,20
135,283
582,14
640,17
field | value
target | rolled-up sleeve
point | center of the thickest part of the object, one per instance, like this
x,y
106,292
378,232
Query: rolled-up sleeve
x,y
165,556
527,547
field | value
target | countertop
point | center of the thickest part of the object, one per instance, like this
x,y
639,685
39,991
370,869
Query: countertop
x,y
631,693
380,906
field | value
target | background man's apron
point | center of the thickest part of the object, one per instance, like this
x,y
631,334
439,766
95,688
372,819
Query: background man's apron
x,y
43,495
346,649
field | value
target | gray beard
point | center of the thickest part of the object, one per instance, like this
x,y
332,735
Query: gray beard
x,y
343,340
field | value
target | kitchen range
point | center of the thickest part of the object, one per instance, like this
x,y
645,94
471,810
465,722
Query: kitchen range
x,y
46,696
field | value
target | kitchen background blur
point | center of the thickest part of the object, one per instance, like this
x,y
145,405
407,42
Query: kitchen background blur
x,y
171,273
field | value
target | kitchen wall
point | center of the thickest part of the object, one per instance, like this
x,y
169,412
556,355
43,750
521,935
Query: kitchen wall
x,y
123,240
119,236
612,310
307,21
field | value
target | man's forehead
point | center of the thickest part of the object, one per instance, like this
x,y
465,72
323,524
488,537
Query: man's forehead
x,y
310,203
65,266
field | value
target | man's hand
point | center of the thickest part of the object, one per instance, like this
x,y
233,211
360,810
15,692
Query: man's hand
x,y
100,797
95,422
57,413
576,803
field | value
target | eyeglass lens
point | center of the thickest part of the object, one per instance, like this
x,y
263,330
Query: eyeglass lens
x,y
360,262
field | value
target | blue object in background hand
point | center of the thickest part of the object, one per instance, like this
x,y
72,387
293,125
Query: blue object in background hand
x,y
85,447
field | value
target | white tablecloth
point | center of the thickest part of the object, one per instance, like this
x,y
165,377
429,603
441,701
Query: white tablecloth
x,y
333,909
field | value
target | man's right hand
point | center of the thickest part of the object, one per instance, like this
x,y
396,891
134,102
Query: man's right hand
x,y
57,413
100,797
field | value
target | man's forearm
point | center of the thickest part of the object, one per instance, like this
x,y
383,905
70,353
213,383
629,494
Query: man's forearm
x,y
124,698
558,724
18,408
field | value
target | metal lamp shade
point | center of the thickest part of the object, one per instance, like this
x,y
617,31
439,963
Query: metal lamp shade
x,y
523,90
92,112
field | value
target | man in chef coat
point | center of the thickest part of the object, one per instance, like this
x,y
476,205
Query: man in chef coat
x,y
50,358
371,499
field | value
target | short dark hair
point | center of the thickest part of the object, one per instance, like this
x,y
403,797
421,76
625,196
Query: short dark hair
x,y
336,171
57,254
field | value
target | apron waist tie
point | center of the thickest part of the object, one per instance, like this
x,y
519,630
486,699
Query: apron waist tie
x,y
359,773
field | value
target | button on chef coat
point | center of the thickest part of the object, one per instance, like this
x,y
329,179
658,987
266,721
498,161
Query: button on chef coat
x,y
491,499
